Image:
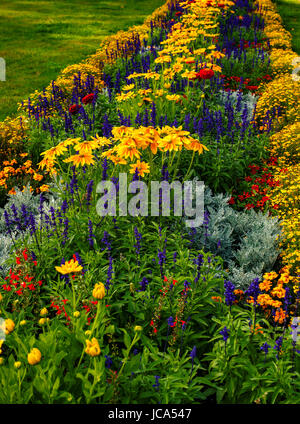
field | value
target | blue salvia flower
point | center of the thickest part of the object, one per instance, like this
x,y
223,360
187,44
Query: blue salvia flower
x,y
25,216
265,348
65,232
104,169
64,206
193,353
161,260
225,333
8,222
192,356
135,176
278,346
254,290
137,245
170,321
115,181
229,295
106,242
108,361
157,384
199,262
175,257
144,283
91,236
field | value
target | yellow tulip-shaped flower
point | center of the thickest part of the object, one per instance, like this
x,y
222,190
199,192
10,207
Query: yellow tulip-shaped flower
x,y
9,326
34,356
99,291
92,347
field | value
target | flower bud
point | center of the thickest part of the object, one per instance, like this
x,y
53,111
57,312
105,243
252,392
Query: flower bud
x,y
44,312
99,291
34,356
17,364
9,326
92,347
138,328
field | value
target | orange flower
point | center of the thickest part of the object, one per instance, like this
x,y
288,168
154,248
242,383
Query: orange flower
x,y
265,285
142,168
217,298
81,159
280,316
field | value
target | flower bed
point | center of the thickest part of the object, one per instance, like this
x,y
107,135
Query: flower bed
x,y
131,308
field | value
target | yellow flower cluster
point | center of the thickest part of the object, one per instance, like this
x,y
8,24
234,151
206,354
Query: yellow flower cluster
x,y
287,197
130,144
285,145
83,157
284,91
278,36
282,60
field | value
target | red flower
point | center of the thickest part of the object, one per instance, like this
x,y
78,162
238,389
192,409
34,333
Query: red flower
x,y
74,109
249,206
88,98
18,261
205,73
231,201
25,256
31,287
252,87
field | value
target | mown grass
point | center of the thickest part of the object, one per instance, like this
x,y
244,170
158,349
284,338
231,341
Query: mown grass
x,y
289,10
39,38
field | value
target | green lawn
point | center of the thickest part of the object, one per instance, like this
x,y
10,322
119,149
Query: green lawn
x,y
38,38
290,13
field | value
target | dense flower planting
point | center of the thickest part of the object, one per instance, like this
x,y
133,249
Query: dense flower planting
x,y
125,308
